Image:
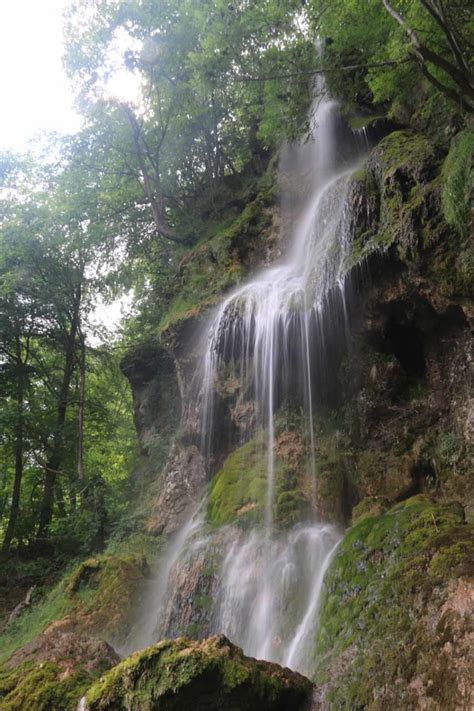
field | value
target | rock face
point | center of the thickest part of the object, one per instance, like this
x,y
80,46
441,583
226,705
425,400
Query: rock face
x,y
183,478
185,675
396,627
395,417
53,671
401,422
156,401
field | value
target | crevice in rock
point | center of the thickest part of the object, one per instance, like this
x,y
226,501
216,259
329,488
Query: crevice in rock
x,y
406,343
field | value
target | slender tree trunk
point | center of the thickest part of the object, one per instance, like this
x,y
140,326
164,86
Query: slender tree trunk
x,y
3,493
19,437
80,415
59,497
55,460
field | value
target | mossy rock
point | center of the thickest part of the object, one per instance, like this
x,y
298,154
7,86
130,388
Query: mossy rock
x,y
233,244
104,595
394,626
407,151
458,182
396,200
238,492
184,675
52,672
101,597
369,507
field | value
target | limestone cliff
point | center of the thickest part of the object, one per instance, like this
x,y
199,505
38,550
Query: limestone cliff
x,y
395,415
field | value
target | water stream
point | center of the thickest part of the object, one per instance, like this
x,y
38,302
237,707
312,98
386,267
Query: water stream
x,y
272,334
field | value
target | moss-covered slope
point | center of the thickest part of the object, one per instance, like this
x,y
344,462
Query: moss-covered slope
x,y
101,597
238,492
396,627
53,671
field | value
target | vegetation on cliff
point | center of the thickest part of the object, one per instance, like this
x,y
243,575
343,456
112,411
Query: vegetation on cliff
x,y
173,197
394,629
173,201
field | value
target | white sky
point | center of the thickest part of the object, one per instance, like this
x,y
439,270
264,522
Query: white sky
x,y
33,87
35,94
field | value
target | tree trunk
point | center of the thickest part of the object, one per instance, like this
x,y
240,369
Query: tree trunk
x,y
80,414
55,460
151,178
19,437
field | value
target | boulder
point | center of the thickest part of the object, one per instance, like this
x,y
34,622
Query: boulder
x,y
186,675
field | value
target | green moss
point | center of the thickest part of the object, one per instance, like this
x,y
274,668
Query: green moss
x,y
458,182
185,675
100,596
103,592
238,490
359,176
376,594
368,508
223,255
291,507
43,688
401,179
405,151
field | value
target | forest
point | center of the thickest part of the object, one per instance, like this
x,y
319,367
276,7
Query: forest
x,y
142,462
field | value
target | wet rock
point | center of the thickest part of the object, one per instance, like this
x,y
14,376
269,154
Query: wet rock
x,y
68,650
194,585
183,481
401,636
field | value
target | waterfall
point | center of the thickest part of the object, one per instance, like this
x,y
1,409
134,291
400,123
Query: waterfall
x,y
274,336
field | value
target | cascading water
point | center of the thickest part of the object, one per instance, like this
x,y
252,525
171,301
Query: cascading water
x,y
273,335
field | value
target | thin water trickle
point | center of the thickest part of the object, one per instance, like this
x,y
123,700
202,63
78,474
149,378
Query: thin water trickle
x,y
272,333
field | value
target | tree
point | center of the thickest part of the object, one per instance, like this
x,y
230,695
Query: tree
x,y
196,120
386,40
461,88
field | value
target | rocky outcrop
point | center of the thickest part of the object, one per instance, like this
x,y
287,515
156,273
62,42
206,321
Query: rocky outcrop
x,y
101,597
396,617
156,397
187,675
403,422
68,650
183,479
52,672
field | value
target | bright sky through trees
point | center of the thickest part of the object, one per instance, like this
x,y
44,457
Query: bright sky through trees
x,y
34,88
35,91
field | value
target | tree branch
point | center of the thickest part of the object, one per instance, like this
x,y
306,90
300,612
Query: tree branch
x,y
327,70
424,54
